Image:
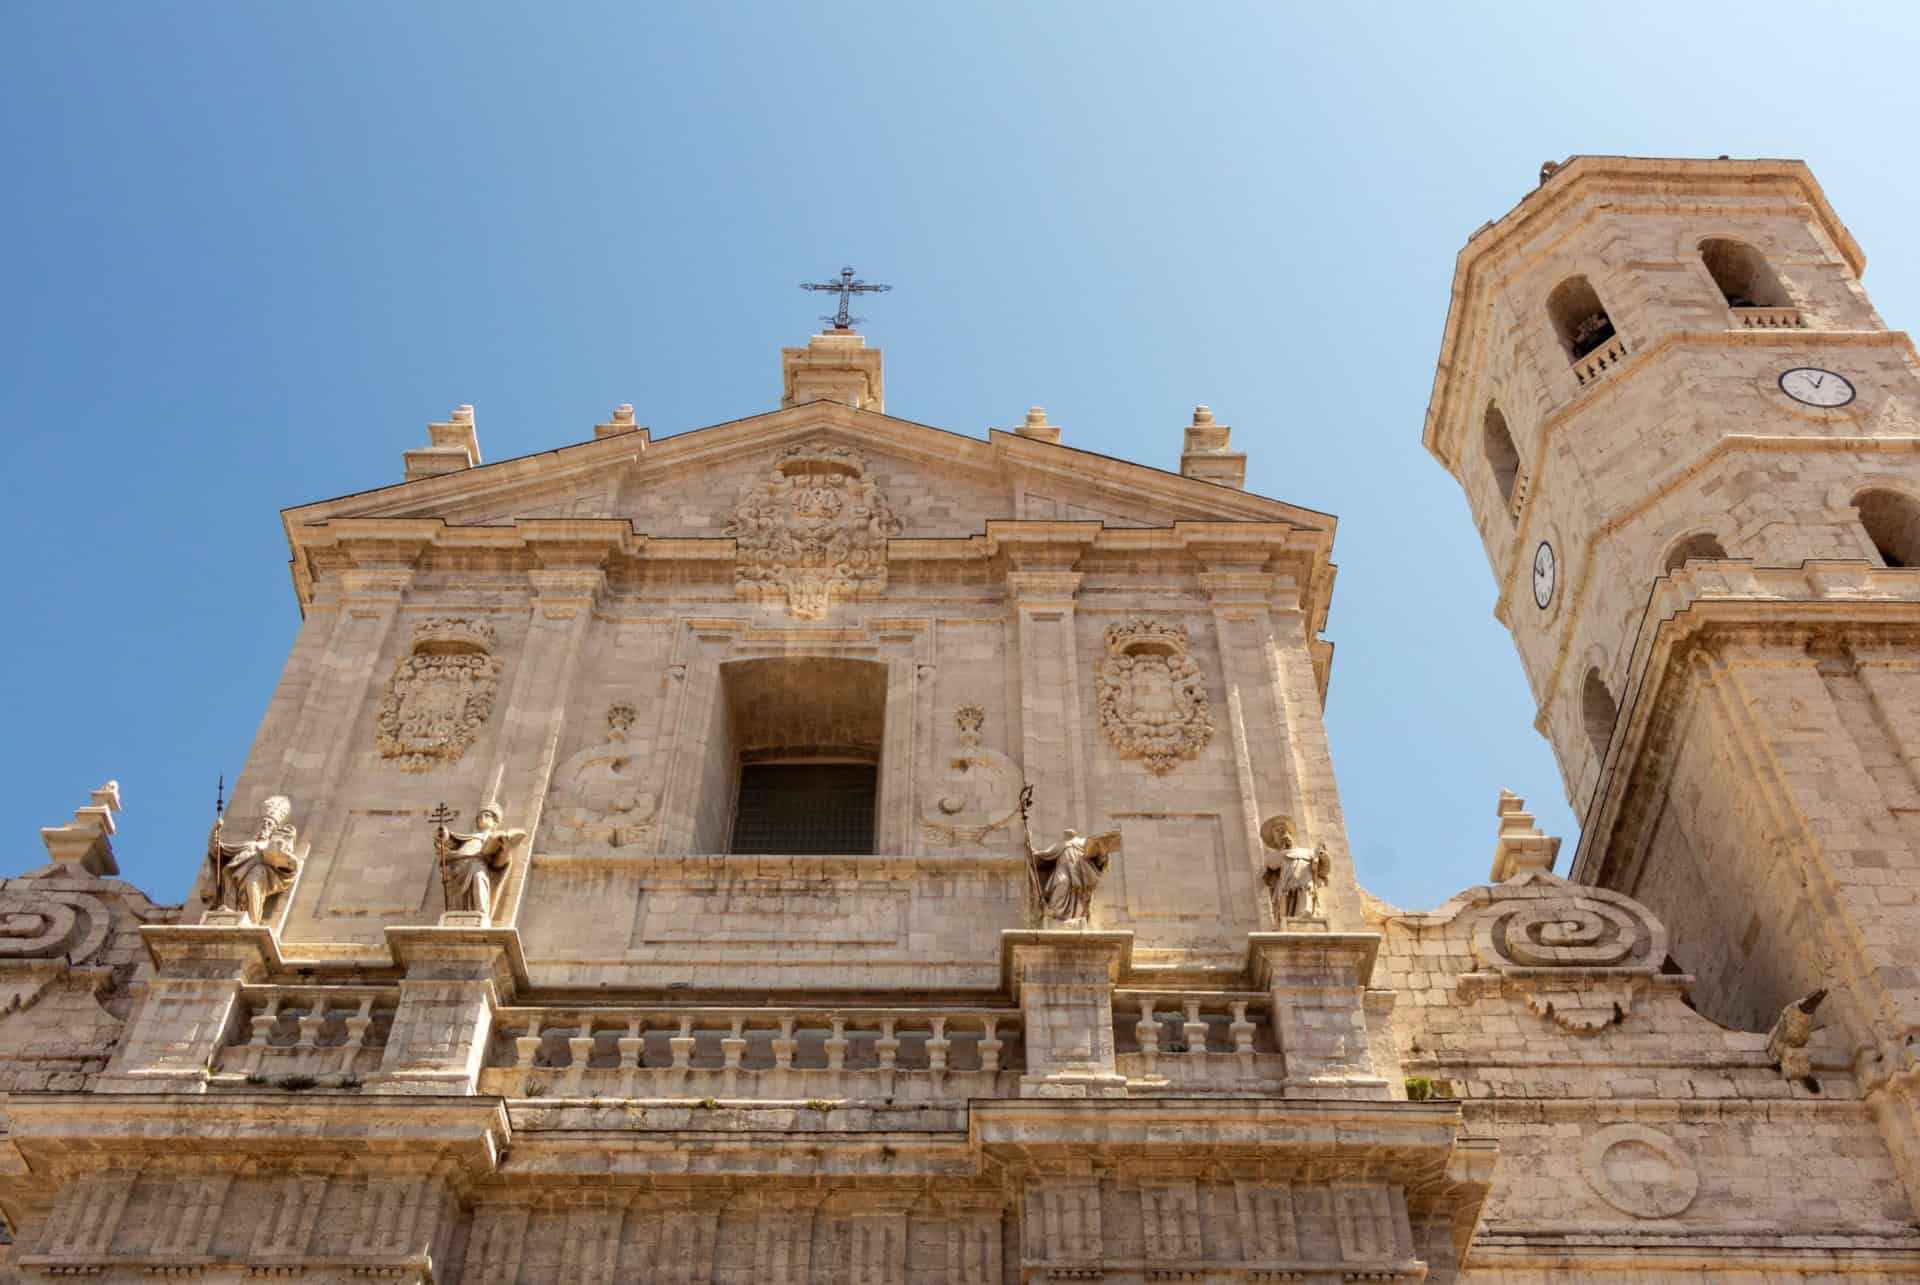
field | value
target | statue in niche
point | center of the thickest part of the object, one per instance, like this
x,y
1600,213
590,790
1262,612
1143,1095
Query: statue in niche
x,y
1296,875
1065,874
244,875
470,863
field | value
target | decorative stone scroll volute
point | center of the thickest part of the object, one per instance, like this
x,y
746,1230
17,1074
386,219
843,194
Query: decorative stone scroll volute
x,y
812,531
440,695
1153,698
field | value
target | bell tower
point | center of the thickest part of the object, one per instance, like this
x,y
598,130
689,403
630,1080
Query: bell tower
x,y
1692,449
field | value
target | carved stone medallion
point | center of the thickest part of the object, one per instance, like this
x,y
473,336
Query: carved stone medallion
x,y
977,793
813,531
1153,698
1639,1171
440,694
598,795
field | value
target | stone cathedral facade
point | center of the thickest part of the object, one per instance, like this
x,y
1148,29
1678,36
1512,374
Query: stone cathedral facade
x,y
823,847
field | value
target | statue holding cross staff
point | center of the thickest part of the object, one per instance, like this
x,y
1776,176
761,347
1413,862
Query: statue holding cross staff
x,y
1065,874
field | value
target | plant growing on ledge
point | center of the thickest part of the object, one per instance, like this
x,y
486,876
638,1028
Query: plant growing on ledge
x,y
1419,1088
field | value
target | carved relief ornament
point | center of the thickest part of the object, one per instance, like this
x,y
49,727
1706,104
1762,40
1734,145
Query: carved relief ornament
x,y
598,793
440,695
978,793
1153,698
812,531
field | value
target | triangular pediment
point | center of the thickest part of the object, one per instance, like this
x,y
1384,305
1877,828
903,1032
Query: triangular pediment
x,y
941,484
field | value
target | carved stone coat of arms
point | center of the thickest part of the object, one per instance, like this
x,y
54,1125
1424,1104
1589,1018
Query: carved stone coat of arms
x,y
1153,697
440,695
812,531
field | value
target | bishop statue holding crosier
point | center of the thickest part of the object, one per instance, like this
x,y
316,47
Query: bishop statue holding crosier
x,y
242,876
471,865
1066,873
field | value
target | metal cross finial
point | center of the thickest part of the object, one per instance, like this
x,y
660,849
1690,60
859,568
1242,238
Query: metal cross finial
x,y
846,287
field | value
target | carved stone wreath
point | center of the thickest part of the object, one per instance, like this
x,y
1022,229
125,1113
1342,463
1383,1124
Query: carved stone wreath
x,y
1153,698
440,695
813,531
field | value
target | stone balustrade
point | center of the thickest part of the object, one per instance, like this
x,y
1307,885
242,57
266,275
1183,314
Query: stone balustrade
x,y
1767,319
315,1036
1190,1040
854,1053
1589,368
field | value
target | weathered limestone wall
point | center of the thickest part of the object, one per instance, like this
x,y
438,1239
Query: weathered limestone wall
x,y
1631,1129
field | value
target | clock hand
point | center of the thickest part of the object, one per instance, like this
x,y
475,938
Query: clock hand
x,y
1816,382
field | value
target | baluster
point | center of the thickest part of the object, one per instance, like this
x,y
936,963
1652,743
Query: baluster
x,y
1194,1029
837,1044
311,1023
733,1046
1147,1031
1242,1030
682,1045
527,1047
784,1046
937,1046
991,1046
887,1047
261,1033
358,1024
633,1045
580,1050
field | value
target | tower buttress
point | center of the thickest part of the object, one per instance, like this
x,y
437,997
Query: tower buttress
x,y
1692,450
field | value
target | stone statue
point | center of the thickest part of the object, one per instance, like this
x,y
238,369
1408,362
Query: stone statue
x,y
1065,874
1295,874
1787,1041
470,862
244,875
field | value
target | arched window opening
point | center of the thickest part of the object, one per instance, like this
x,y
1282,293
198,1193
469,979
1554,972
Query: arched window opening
x,y
1892,521
791,761
1502,455
1598,711
1579,318
1700,545
1743,275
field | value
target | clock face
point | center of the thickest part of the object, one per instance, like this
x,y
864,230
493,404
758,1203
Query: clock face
x,y
1815,387
1543,575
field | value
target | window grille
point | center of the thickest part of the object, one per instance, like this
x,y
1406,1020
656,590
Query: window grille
x,y
805,808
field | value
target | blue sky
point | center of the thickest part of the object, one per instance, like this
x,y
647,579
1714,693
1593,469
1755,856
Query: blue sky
x,y
252,250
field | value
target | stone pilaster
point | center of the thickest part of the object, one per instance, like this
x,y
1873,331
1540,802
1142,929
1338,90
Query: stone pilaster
x,y
1041,585
566,588
1063,982
1239,594
328,682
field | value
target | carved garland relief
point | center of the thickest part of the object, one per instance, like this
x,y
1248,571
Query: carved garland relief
x,y
1153,698
813,531
440,695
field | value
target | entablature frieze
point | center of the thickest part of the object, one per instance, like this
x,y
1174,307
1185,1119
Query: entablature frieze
x,y
386,557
